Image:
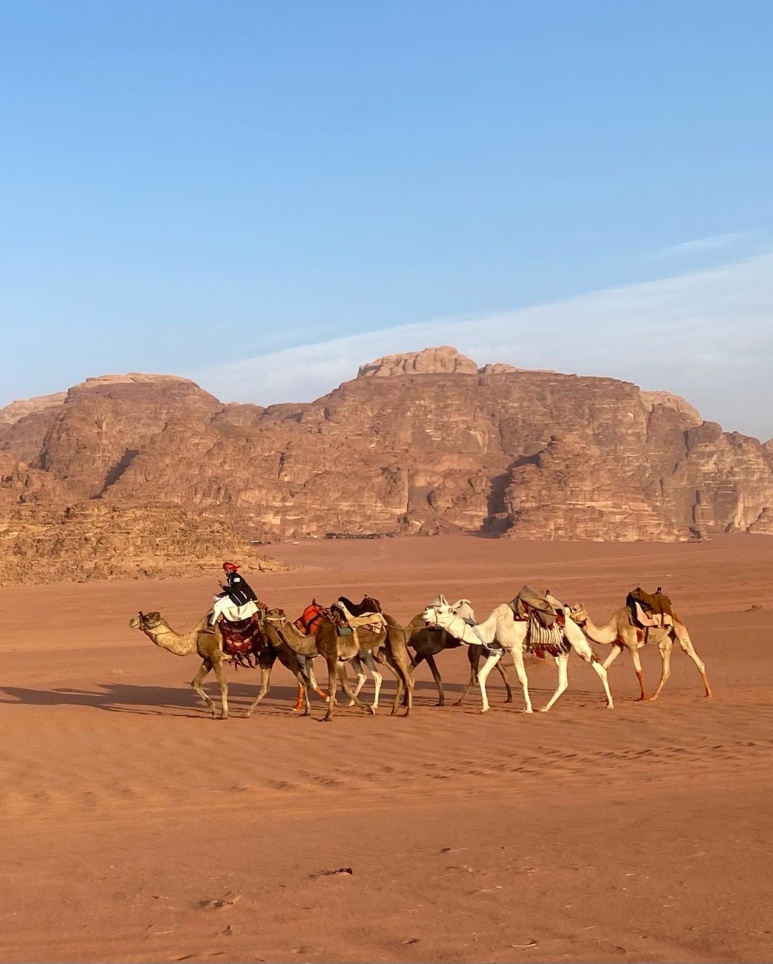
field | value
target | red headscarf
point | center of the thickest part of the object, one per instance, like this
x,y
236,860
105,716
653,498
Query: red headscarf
x,y
230,566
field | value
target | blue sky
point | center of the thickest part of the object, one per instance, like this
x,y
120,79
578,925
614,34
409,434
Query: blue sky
x,y
188,186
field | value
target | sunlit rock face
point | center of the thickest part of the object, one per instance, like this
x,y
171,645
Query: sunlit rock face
x,y
424,442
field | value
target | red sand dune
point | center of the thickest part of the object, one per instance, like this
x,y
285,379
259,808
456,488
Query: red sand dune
x,y
136,828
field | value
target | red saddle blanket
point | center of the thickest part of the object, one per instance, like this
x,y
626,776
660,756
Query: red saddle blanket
x,y
240,639
309,621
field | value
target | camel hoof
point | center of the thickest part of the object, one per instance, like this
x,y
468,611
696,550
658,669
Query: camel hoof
x,y
544,709
527,711
372,710
610,706
351,703
485,709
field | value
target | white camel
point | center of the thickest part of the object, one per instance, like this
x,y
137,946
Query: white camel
x,y
512,635
620,632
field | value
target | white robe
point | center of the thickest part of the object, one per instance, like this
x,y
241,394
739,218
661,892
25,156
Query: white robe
x,y
224,607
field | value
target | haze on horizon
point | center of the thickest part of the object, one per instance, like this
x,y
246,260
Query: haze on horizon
x,y
263,196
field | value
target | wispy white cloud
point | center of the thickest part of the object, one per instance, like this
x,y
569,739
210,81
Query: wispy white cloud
x,y
707,336
714,244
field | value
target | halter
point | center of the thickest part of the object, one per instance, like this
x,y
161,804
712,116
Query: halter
x,y
491,647
578,615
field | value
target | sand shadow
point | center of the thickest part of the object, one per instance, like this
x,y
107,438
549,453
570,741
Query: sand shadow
x,y
142,700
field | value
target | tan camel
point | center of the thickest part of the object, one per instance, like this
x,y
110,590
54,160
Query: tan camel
x,y
204,641
337,650
427,641
621,633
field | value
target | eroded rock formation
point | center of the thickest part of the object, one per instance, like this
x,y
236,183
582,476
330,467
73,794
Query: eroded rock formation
x,y
95,540
424,442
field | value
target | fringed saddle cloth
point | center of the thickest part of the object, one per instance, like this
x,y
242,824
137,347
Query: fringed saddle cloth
x,y
542,640
241,640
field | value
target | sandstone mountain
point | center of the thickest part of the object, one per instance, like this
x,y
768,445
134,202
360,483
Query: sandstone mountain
x,y
417,443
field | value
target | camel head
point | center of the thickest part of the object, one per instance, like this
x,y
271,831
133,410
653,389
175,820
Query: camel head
x,y
146,621
463,608
438,613
577,613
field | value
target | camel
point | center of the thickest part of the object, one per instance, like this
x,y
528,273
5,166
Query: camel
x,y
336,650
427,641
620,632
206,642
512,635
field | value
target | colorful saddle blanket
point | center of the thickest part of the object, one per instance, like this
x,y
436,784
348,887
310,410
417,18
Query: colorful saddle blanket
x,y
241,640
310,619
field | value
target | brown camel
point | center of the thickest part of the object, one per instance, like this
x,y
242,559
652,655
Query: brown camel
x,y
621,633
337,650
427,641
205,641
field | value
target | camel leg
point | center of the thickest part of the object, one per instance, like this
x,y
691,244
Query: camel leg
x,y
503,673
615,652
332,685
664,648
217,666
520,671
204,670
265,679
598,667
402,672
582,647
299,701
639,674
491,662
473,655
435,675
683,638
438,681
562,662
313,681
355,700
401,694
378,677
361,677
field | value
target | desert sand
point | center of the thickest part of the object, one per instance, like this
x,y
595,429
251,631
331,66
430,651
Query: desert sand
x,y
137,828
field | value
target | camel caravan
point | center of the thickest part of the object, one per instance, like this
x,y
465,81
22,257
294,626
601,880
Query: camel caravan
x,y
243,632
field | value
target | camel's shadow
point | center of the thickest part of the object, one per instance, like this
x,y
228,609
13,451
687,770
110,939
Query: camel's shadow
x,y
143,700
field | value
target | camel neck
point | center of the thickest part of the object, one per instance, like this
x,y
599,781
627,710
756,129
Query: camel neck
x,y
166,638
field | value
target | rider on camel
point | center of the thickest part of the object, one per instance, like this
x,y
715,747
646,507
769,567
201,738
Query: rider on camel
x,y
237,600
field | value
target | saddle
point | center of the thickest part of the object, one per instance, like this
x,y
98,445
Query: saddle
x,y
365,608
310,619
649,610
544,609
366,615
241,640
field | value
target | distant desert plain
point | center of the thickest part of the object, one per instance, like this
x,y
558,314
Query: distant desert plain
x,y
138,828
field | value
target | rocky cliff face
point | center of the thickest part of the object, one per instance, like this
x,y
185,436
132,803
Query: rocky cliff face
x,y
94,540
425,442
